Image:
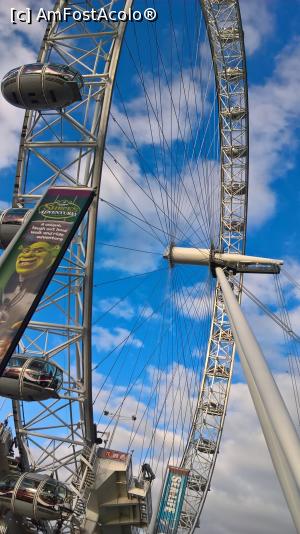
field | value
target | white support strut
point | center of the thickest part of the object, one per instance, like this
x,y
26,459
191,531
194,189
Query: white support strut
x,y
281,436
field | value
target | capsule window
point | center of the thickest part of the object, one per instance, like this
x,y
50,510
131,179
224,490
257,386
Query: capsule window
x,y
49,493
48,368
70,74
68,77
53,97
32,69
14,216
11,73
27,489
52,69
9,81
57,382
40,372
16,362
61,493
7,484
29,484
68,69
37,365
15,97
78,80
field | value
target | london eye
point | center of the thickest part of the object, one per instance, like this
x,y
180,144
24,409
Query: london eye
x,y
120,381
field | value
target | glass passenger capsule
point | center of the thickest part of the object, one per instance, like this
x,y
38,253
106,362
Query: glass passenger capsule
x,y
225,2
30,379
235,151
234,225
184,519
213,408
6,440
207,446
36,496
233,74
229,35
10,222
42,86
218,371
234,113
236,188
196,483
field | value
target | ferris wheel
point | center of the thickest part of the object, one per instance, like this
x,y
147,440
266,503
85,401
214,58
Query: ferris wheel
x,y
120,382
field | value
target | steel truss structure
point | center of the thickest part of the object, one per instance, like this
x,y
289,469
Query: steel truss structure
x,y
225,33
59,437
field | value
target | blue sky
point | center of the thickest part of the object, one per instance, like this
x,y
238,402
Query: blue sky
x,y
242,488
273,80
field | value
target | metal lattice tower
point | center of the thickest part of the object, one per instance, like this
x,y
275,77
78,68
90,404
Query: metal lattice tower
x,y
224,28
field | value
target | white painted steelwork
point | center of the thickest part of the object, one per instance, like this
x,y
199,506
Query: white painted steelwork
x,y
279,431
96,56
229,60
68,145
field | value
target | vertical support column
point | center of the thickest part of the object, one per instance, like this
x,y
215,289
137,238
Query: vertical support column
x,y
92,227
280,433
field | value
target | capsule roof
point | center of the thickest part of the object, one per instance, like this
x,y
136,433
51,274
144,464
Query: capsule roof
x,y
39,86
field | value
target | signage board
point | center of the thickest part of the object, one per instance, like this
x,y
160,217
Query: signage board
x,y
32,258
172,500
110,454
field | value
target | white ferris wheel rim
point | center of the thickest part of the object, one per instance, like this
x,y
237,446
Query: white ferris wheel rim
x,y
226,79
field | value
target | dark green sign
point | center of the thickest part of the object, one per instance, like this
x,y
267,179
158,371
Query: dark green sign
x,y
30,262
60,210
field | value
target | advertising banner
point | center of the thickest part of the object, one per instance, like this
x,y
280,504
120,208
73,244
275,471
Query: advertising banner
x,y
172,500
109,454
31,261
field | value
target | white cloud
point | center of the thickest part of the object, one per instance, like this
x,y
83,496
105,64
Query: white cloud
x,y
105,339
32,32
128,194
274,117
291,277
162,415
258,22
195,301
177,118
18,45
115,306
147,213
149,313
4,205
245,491
275,345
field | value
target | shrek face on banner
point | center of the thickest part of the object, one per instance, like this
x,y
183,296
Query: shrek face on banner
x,y
36,258
27,269
33,262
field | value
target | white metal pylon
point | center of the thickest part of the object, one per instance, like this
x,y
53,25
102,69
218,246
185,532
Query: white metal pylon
x,y
278,428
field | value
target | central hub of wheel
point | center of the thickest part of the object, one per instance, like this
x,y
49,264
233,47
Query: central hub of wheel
x,y
192,256
235,262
